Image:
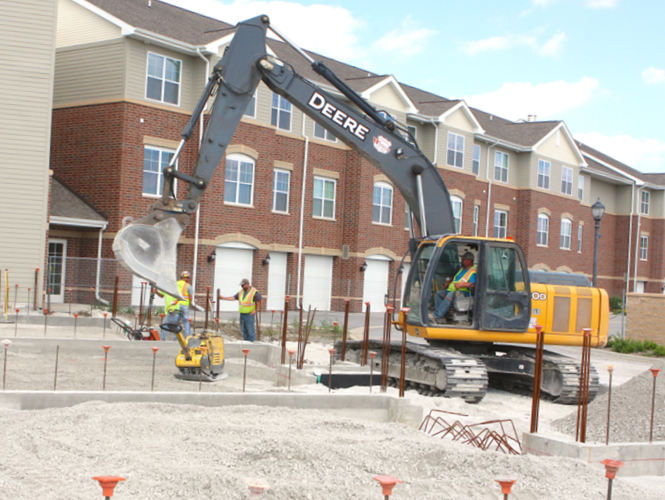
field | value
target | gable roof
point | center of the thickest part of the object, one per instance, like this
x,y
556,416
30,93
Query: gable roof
x,y
68,208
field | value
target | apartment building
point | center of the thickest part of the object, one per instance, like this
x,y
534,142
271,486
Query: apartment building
x,y
290,206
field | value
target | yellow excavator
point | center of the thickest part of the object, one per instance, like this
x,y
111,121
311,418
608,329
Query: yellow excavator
x,y
486,334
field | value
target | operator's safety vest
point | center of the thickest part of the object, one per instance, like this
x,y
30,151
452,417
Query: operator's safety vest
x,y
173,304
462,275
247,304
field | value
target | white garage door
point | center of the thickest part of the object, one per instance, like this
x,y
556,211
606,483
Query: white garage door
x,y
376,284
405,277
276,281
317,289
136,294
231,265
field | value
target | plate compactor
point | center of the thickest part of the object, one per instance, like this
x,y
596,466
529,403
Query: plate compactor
x,y
201,355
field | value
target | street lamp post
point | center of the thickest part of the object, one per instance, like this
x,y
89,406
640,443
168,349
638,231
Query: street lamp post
x,y
597,209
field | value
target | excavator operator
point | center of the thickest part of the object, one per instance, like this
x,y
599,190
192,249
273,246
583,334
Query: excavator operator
x,y
464,281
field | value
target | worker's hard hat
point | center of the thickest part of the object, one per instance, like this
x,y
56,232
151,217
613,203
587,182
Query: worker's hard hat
x,y
244,281
185,274
468,255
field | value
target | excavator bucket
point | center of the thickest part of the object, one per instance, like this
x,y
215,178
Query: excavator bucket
x,y
149,251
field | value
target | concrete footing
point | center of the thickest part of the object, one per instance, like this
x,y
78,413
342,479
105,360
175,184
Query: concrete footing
x,y
640,459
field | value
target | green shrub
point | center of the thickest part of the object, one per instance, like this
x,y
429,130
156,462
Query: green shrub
x,y
649,345
628,346
659,350
616,303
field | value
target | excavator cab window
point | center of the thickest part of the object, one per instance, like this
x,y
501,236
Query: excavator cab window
x,y
416,281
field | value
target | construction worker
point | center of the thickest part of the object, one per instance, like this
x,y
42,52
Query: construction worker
x,y
247,298
178,309
464,281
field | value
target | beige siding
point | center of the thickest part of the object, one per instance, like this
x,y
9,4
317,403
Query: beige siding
x,y
523,170
263,104
137,65
459,120
607,194
25,128
558,148
388,97
77,25
657,208
89,73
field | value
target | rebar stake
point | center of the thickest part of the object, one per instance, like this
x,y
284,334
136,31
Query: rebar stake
x,y
402,368
286,314
16,324
537,379
654,371
55,372
105,314
6,343
332,355
291,353
506,485
611,468
244,373
363,358
108,484
347,304
372,354
106,357
387,484
154,359
76,318
610,369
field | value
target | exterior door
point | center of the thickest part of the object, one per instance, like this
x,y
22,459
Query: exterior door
x,y
231,266
376,284
55,277
276,281
317,289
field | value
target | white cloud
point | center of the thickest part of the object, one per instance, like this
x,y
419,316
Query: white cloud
x,y
327,29
645,155
653,75
601,4
499,43
546,100
407,40
553,46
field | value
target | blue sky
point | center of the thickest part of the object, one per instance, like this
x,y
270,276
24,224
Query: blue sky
x,y
598,65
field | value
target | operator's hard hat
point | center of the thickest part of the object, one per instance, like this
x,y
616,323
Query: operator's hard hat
x,y
468,255
244,281
185,274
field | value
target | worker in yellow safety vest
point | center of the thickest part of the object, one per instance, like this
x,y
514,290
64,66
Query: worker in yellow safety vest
x,y
464,281
178,309
248,298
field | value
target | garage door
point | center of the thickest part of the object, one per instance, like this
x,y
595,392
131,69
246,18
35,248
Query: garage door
x,y
376,284
232,265
317,289
276,281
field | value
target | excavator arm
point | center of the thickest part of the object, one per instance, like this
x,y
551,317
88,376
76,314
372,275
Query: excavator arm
x,y
147,247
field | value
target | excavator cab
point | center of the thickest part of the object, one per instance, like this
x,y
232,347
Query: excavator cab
x,y
500,299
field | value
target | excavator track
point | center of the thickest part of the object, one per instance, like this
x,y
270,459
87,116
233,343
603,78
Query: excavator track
x,y
433,371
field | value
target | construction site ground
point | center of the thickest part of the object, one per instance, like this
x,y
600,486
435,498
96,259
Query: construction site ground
x,y
170,451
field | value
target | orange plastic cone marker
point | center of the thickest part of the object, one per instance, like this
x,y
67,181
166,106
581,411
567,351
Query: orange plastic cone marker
x,y
106,348
611,467
387,483
108,483
154,349
506,484
291,352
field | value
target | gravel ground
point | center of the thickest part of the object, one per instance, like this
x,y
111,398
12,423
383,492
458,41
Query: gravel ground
x,y
630,412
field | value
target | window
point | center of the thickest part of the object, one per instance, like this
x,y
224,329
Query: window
x,y
455,150
382,206
500,223
566,230
543,230
580,187
476,159
407,216
280,191
567,180
324,198
644,246
543,174
579,238
500,167
155,160
457,213
411,139
251,107
323,133
163,82
476,210
644,205
239,180
281,113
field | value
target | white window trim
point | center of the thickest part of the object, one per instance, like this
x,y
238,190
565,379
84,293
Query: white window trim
x,y
326,133
476,218
288,191
476,147
563,171
334,200
256,105
505,228
182,68
580,187
461,211
548,176
501,154
455,150
643,203
383,185
580,232
246,159
160,182
407,217
278,111
569,223
644,249
547,231
414,133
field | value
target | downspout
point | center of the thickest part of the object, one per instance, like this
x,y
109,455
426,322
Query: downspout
x,y
637,237
99,267
198,210
302,209
489,188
